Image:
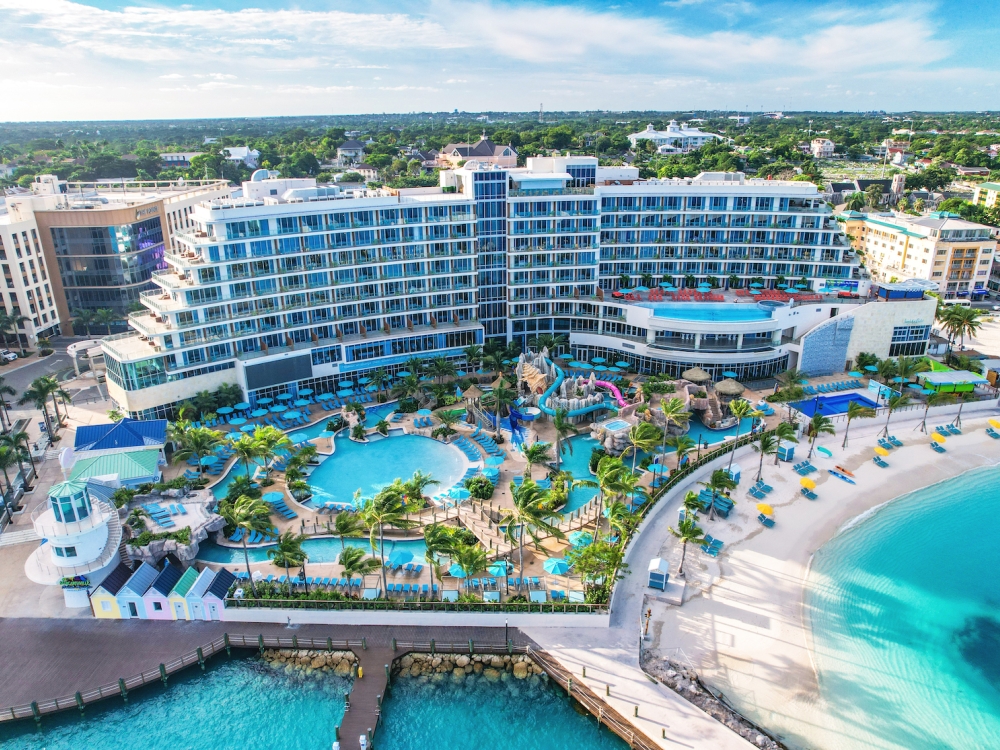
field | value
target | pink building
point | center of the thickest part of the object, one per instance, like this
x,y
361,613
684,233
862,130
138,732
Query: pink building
x,y
155,598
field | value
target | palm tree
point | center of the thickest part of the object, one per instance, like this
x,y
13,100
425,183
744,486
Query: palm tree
x,y
380,379
408,387
856,411
105,317
19,441
228,394
622,520
741,409
682,445
766,445
439,541
448,420
687,531
785,431
198,442
907,367
963,399
887,370
346,524
288,552
500,399
894,402
674,413
38,396
818,425
644,436
11,323
856,201
791,376
609,473
415,487
354,562
494,361
563,429
536,453
5,390
473,354
249,514
7,461
470,558
84,318
204,402
441,368
386,508
247,450
935,399
271,440
528,515
720,481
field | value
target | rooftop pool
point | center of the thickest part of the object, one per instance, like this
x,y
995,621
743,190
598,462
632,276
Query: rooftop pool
x,y
708,312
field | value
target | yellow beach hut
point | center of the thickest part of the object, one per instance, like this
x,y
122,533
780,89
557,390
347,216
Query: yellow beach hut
x,y
104,599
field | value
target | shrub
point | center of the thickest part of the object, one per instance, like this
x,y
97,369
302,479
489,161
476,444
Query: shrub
x,y
122,496
595,458
408,405
358,432
480,488
181,535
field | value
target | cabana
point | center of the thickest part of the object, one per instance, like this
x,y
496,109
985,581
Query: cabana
x,y
155,599
729,389
952,381
103,600
195,602
178,594
130,602
215,597
696,375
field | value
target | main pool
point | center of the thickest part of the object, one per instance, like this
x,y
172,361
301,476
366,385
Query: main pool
x,y
905,614
710,312
322,550
835,404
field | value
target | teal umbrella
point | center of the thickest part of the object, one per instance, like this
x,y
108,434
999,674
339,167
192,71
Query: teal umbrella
x,y
424,412
237,421
576,364
601,368
364,380
621,364
400,557
224,410
292,415
258,413
301,402
284,397
305,391
209,460
557,566
598,360
855,374
871,368
756,285
346,384
265,401
500,568
729,374
403,373
581,538
278,408
242,405
324,396
456,571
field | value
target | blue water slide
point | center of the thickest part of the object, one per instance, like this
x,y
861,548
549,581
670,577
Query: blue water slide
x,y
543,401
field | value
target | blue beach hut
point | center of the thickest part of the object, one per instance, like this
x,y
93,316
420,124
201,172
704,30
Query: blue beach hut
x,y
130,596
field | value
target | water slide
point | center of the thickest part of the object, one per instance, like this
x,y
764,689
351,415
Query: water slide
x,y
614,391
560,376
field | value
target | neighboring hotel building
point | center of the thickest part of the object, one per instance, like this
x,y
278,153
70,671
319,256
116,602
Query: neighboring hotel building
x,y
100,243
987,195
822,148
299,285
675,139
941,247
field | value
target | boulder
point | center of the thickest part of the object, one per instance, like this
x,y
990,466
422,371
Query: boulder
x,y
462,661
318,662
343,668
491,674
520,670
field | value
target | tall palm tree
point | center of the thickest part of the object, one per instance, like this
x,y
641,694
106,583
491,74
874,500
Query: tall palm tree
x,y
719,482
676,414
271,440
408,386
380,379
785,431
818,425
528,516
563,429
415,487
7,461
644,436
682,445
790,377
856,411
247,450
741,409
856,201
500,399
963,399
907,367
473,355
38,395
622,520
5,390
12,323
105,317
228,394
766,445
470,558
19,440
386,508
204,402
439,542
288,552
84,318
894,402
441,368
887,370
536,453
249,514
609,474
687,531
354,562
198,442
448,420
935,399
347,524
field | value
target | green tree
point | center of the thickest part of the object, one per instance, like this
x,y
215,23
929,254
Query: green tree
x,y
856,201
287,552
682,445
599,565
818,425
766,445
894,402
386,508
529,515
105,317
470,558
38,394
247,450
934,399
415,488
741,409
439,542
249,514
563,428
83,318
856,411
643,436
536,453
356,564
198,442
687,531
720,482
346,524
441,368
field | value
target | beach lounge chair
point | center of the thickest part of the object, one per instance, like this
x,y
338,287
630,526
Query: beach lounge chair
x,y
763,487
557,595
895,441
710,550
938,448
880,463
954,430
757,494
768,522
809,494
236,536
534,582
993,433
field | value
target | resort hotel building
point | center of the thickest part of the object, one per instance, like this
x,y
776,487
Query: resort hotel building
x,y
296,285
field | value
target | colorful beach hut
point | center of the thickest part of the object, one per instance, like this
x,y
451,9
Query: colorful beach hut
x,y
103,600
177,599
215,597
156,597
130,601
195,600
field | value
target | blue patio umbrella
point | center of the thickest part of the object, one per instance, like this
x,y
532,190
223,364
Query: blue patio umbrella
x,y
601,368
424,412
581,538
665,284
598,360
278,408
755,291
324,396
574,363
926,391
224,410
461,374
915,386
424,378
305,391
284,396
346,384
371,388
756,285
291,415
400,557
345,392
669,288
237,421
265,401
557,566
801,286
248,427
855,374
871,368
455,571
258,413
729,374
642,288
898,379
507,361
459,493
782,286
301,402
494,461
403,373
621,364
242,405
209,460
481,371
615,369
490,473
364,380
565,355
500,568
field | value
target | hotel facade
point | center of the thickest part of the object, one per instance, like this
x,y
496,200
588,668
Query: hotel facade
x,y
299,285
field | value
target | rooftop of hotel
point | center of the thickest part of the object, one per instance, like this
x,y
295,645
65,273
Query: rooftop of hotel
x,y
923,225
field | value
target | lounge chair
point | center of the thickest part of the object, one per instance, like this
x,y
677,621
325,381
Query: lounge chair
x,y
880,463
757,494
763,487
709,550
809,494
954,430
557,595
993,433
766,521
896,441
938,448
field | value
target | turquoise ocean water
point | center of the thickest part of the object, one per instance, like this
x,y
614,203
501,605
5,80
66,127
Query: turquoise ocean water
x,y
905,614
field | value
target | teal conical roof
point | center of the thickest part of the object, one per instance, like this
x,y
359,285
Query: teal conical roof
x,y
67,489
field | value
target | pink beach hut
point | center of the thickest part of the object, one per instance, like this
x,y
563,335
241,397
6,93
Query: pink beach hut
x,y
155,598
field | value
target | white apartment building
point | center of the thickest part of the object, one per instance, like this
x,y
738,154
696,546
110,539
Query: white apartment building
x,y
675,139
821,148
941,247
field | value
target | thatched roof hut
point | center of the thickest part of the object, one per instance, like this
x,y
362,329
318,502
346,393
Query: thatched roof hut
x,y
472,393
696,375
729,388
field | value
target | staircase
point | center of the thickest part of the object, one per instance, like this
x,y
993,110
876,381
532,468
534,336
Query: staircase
x,y
714,410
476,521
14,535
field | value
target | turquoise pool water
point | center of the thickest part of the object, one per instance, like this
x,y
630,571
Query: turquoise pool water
x,y
616,424
475,714
836,404
237,704
323,550
905,613
713,312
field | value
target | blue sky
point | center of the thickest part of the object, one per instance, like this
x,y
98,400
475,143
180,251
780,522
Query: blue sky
x,y
85,59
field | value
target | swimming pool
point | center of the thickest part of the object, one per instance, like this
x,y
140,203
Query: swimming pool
x,y
617,424
323,550
833,404
710,312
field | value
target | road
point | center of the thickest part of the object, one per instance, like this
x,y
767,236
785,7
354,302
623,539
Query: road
x,y
59,364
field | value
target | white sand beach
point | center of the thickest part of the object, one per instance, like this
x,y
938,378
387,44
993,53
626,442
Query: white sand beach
x,y
743,625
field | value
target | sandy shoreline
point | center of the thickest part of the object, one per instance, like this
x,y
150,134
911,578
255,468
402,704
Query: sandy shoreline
x,y
745,622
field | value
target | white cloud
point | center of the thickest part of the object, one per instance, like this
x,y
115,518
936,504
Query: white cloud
x,y
172,75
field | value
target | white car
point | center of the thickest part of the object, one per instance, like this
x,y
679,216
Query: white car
x,y
7,355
